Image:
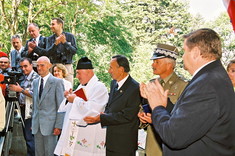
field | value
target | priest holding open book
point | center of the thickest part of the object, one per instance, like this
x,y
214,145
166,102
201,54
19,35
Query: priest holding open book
x,y
89,99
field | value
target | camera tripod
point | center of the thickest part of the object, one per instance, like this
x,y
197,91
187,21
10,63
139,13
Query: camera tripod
x,y
8,131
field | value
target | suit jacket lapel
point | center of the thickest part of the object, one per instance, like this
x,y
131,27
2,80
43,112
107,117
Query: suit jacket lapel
x,y
202,71
46,88
111,94
116,95
40,41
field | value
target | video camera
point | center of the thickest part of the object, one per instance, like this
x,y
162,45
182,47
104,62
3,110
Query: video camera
x,y
10,76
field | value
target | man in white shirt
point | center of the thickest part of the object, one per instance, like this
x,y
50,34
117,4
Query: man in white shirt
x,y
120,115
48,92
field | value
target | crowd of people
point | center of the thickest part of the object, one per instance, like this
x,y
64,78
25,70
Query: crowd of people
x,y
181,118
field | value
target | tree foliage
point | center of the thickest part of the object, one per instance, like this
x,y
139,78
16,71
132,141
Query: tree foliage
x,y
104,28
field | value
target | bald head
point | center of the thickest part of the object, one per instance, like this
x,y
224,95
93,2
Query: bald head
x,y
44,58
43,66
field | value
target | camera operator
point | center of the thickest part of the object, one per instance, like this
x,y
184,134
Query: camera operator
x,y
4,63
25,100
61,46
4,66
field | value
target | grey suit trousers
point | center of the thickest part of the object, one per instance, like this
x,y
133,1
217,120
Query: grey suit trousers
x,y
45,145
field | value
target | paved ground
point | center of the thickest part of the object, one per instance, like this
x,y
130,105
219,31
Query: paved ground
x,y
18,146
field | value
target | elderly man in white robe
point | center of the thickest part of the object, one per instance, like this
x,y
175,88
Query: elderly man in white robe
x,y
89,99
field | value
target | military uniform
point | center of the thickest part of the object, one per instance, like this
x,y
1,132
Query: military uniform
x,y
175,85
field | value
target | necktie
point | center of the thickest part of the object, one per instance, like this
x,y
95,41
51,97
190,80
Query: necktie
x,y
41,88
116,87
162,82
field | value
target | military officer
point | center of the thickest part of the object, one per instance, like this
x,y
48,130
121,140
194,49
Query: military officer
x,y
164,61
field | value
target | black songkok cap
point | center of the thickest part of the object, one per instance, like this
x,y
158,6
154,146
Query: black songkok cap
x,y
84,63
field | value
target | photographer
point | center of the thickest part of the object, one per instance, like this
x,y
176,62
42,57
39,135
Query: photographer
x,y
25,100
61,46
4,65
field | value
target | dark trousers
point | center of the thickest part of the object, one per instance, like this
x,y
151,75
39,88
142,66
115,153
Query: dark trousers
x,y
29,138
112,153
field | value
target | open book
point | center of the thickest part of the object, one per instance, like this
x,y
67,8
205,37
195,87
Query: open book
x,y
81,93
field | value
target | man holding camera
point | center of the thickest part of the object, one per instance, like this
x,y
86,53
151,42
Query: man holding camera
x,y
25,100
61,46
164,61
4,65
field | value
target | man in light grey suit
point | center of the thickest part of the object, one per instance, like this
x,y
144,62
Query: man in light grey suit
x,y
46,121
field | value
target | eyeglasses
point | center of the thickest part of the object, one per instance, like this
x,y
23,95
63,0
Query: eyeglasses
x,y
3,62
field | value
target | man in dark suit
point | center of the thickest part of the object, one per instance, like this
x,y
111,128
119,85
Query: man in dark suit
x,y
48,92
120,114
61,47
35,46
202,121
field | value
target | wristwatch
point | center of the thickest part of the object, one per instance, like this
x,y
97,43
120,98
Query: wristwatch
x,y
22,91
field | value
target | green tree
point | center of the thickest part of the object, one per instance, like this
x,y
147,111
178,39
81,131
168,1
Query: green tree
x,y
104,28
152,22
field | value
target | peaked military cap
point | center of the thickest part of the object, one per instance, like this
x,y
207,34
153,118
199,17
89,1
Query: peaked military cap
x,y
164,50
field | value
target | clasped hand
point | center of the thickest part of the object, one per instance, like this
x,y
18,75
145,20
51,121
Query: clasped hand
x,y
154,93
31,46
60,39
